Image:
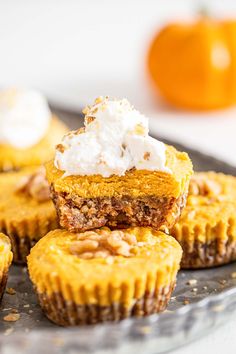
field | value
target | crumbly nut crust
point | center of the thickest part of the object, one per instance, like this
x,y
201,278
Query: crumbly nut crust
x,y
204,255
80,214
67,313
21,247
3,282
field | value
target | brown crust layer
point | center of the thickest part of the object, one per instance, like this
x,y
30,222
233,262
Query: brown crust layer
x,y
206,255
65,313
3,282
21,247
81,214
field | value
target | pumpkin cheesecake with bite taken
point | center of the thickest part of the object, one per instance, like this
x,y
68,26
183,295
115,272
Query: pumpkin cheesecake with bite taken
x,y
5,261
28,129
103,275
111,172
207,227
26,210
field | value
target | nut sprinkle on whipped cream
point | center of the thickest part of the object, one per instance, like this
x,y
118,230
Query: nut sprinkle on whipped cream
x,y
114,139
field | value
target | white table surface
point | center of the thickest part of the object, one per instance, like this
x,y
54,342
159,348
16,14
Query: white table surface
x,y
76,50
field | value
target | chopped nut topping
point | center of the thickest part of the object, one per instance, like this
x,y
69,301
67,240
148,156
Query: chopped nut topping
x,y
14,311
192,282
89,111
60,147
204,187
89,119
10,291
35,186
104,244
80,131
86,110
186,302
99,100
12,317
146,156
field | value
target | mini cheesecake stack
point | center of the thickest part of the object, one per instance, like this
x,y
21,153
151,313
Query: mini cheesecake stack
x,y
109,261
111,219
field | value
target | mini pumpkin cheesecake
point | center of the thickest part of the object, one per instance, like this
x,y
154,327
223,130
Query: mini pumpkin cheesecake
x,y
28,130
112,173
207,227
26,211
5,261
103,275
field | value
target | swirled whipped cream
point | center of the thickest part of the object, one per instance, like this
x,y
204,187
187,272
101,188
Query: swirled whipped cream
x,y
24,117
114,140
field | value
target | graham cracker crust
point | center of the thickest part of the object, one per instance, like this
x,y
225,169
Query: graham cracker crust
x,y
3,282
80,214
68,313
206,255
21,247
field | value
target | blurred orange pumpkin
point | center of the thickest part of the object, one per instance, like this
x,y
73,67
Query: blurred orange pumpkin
x,y
194,65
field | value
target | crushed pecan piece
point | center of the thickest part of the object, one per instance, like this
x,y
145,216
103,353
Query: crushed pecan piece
x,y
90,111
89,119
80,131
99,100
203,187
60,147
86,110
146,156
35,186
104,244
192,282
12,317
10,291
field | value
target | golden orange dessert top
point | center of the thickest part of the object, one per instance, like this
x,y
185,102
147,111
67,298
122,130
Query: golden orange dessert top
x,y
5,253
135,183
12,158
24,204
84,268
210,211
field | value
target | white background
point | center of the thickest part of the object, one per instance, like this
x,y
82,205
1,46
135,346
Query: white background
x,y
75,50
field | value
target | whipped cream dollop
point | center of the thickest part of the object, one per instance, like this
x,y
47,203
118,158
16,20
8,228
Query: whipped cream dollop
x,y
24,117
114,140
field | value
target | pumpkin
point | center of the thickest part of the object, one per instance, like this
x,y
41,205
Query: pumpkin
x,y
193,65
